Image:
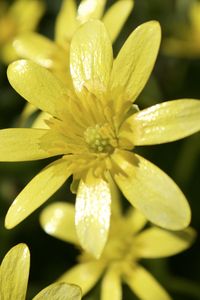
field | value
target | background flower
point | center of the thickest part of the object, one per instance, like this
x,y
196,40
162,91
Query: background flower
x,y
14,274
126,245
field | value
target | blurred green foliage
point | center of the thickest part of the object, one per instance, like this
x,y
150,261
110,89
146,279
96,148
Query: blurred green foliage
x,y
172,78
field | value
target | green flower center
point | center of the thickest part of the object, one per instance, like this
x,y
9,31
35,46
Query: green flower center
x,y
99,138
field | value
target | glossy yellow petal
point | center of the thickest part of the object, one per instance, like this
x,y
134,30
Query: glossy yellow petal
x,y
111,285
84,275
92,215
135,61
151,191
27,14
37,191
90,9
60,291
66,23
39,49
156,242
116,16
22,144
144,285
8,53
135,219
58,220
39,87
91,58
163,123
14,273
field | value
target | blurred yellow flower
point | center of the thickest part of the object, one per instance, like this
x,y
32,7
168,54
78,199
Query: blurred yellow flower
x,y
21,17
186,43
95,127
119,262
14,272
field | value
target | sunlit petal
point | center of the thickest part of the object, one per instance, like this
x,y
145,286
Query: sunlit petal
x,y
92,216
163,123
37,191
18,144
90,9
60,291
58,220
91,58
14,273
151,191
39,87
135,61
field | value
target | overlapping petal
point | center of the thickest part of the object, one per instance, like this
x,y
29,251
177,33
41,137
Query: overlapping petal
x,y
161,123
151,191
22,144
92,215
59,291
27,14
144,285
91,58
135,61
135,219
58,220
111,285
156,242
38,48
85,274
90,9
37,191
14,272
39,87
66,23
116,16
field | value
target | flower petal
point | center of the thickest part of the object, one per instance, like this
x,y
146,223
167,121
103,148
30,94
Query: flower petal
x,y
84,275
24,144
151,191
116,16
14,273
135,219
163,123
90,9
27,14
60,291
111,285
58,220
92,215
39,87
39,49
66,23
135,61
156,242
37,191
143,284
91,58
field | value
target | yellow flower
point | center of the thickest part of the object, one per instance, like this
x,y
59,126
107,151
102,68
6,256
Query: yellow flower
x,y
14,272
186,43
94,128
119,262
21,17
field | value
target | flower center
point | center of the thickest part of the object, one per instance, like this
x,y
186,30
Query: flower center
x,y
99,138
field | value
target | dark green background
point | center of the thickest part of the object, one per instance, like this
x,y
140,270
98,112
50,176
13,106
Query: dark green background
x,y
172,78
